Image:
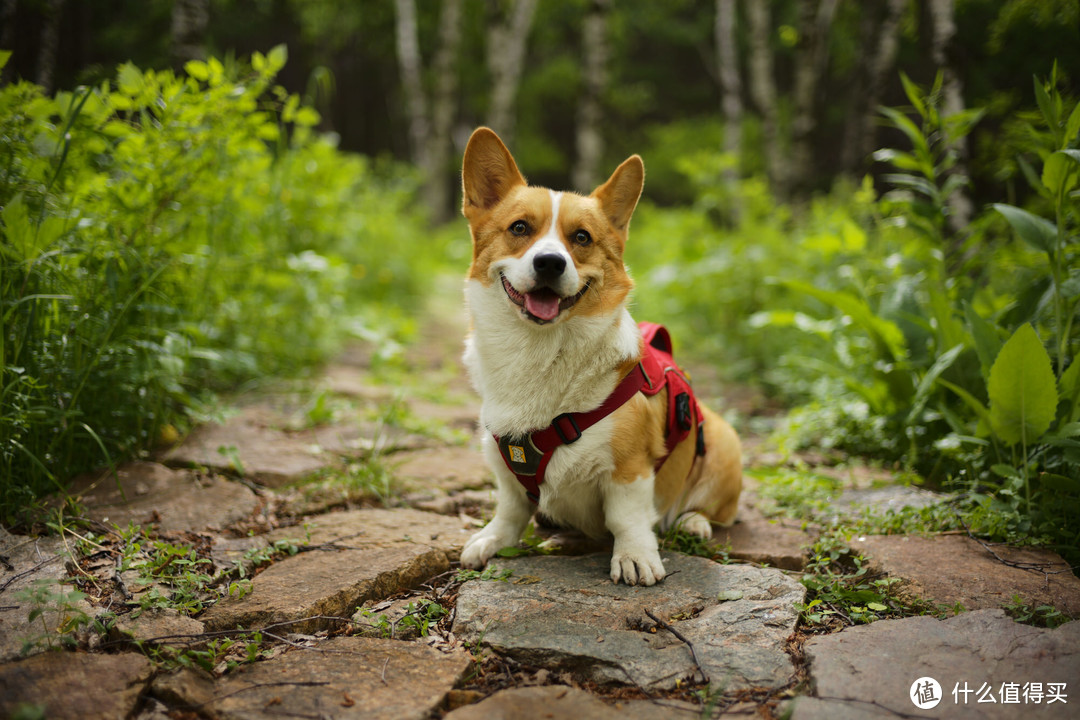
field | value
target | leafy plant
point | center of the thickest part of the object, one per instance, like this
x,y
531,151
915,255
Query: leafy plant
x,y
55,604
529,544
840,589
168,235
491,572
1041,616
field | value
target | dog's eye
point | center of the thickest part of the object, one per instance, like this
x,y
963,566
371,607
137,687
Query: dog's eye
x,y
582,237
519,228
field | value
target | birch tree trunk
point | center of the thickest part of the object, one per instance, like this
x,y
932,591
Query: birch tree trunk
x,y
50,44
590,140
815,20
410,64
444,107
727,64
429,133
943,31
880,45
507,41
190,19
763,91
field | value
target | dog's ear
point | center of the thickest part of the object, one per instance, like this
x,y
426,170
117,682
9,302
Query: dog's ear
x,y
488,172
619,195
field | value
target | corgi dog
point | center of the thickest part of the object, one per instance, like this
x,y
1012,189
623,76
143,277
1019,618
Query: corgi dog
x,y
573,422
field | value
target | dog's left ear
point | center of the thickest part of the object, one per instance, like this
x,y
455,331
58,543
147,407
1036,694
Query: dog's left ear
x,y
488,172
619,195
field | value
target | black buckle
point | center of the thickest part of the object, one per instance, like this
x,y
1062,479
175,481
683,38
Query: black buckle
x,y
682,411
559,431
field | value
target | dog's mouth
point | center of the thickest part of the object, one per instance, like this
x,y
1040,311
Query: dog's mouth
x,y
541,305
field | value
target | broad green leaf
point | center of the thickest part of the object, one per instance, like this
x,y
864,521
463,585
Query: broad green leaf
x,y
914,94
277,57
926,385
1069,389
987,342
1060,483
1059,173
5,55
877,607
885,333
130,79
1049,111
1037,232
1022,389
1072,126
197,69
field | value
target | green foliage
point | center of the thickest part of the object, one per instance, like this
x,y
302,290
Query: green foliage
x,y
170,234
490,572
1041,616
529,544
840,589
948,351
56,606
420,617
679,540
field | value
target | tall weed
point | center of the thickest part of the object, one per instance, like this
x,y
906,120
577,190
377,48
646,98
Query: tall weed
x,y
168,235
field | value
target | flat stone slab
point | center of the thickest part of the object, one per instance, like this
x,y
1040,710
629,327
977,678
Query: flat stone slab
x,y
558,702
868,671
757,539
565,613
351,558
274,457
880,500
343,677
74,685
160,627
951,569
446,469
148,493
26,561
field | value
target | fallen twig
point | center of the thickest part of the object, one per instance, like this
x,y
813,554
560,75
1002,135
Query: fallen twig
x,y
680,636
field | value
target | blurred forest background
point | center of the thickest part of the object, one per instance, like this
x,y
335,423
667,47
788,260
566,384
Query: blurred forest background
x,y
867,209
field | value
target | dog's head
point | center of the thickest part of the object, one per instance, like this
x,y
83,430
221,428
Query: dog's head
x,y
553,254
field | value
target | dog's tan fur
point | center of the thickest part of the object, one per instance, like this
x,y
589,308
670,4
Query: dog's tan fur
x,y
529,370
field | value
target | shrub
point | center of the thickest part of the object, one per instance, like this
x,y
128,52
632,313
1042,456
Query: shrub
x,y
167,235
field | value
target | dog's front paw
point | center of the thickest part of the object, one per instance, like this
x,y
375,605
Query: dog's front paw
x,y
637,566
482,546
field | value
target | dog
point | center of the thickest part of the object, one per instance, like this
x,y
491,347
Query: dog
x,y
574,422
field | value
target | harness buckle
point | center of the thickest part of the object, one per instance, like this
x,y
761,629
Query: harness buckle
x,y
557,424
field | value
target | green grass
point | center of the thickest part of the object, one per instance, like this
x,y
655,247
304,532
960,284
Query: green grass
x,y
171,236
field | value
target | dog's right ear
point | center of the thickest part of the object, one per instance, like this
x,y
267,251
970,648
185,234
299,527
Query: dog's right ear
x,y
488,172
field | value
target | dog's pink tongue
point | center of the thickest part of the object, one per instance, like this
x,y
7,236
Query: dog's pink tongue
x,y
543,304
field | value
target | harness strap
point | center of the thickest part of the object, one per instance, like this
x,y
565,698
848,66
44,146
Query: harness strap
x,y
528,456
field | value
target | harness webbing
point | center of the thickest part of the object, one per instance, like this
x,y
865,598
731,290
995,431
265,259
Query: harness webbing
x,y
528,456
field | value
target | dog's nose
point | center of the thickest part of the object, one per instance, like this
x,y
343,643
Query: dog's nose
x,y
548,266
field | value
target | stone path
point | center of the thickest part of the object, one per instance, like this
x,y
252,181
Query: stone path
x,y
320,550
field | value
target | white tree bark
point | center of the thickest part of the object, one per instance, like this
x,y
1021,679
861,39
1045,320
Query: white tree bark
x,y
429,134
410,65
50,44
815,21
444,107
731,107
507,41
590,140
190,19
943,31
880,45
763,91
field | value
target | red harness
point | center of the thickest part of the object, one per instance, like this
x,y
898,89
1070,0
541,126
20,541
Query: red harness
x,y
528,456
